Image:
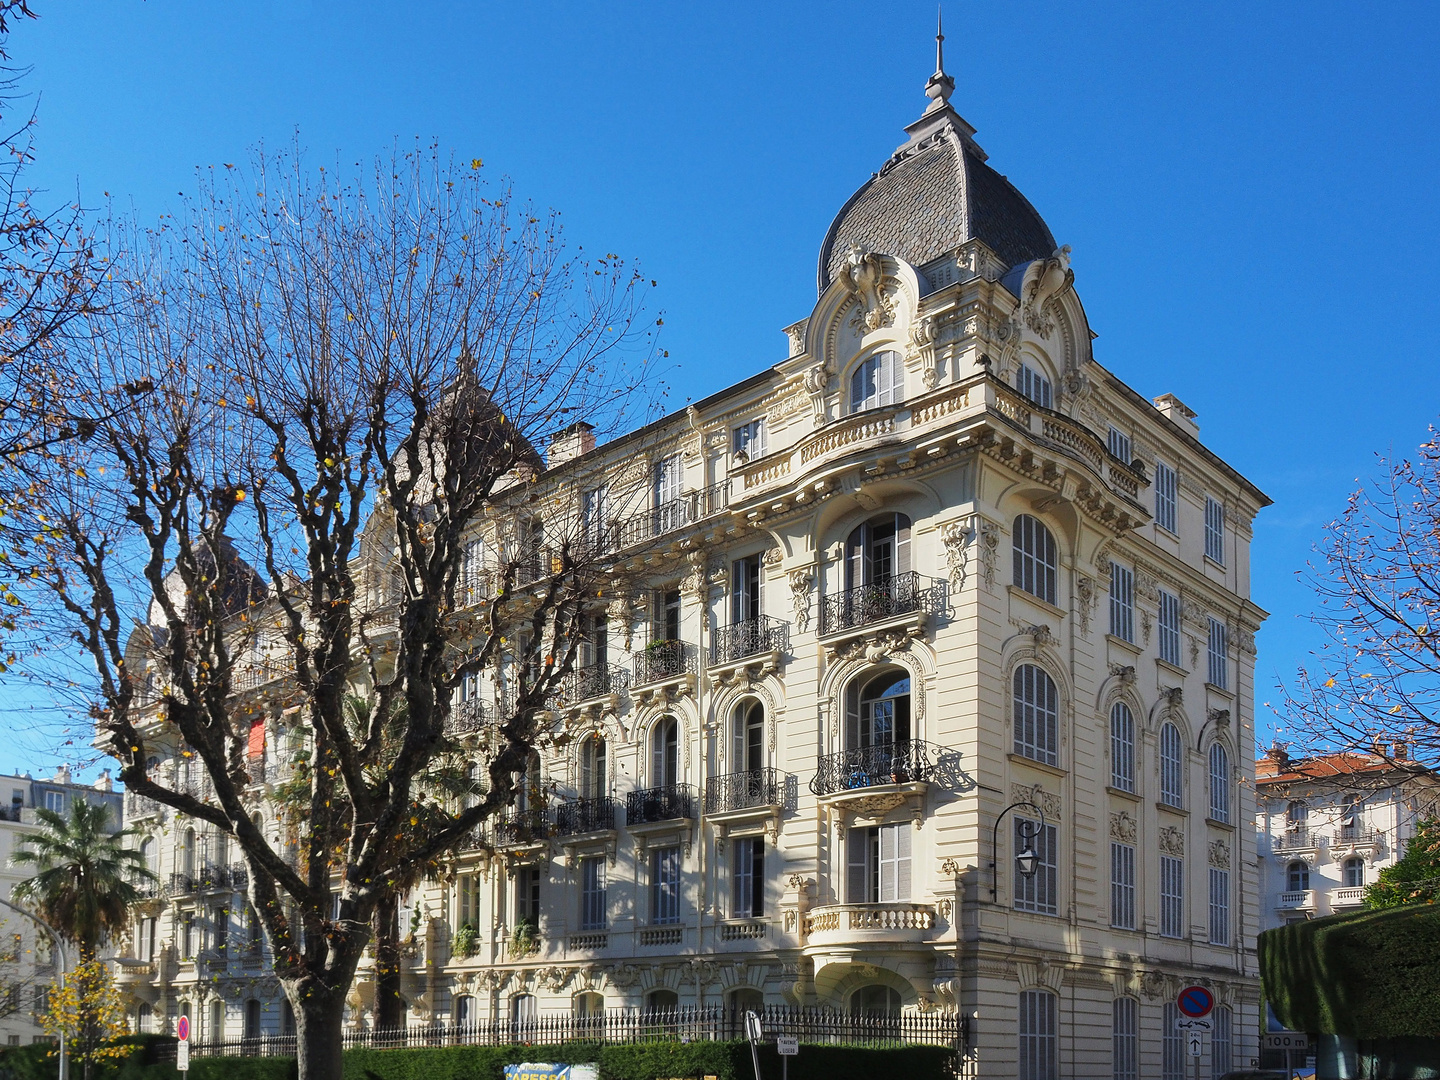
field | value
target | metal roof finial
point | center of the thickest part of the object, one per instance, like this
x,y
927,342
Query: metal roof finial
x,y
940,86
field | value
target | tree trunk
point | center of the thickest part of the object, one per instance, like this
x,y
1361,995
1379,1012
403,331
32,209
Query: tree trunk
x,y
389,1005
319,1029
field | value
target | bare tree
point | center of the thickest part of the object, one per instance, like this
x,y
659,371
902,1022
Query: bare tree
x,y
349,376
1374,686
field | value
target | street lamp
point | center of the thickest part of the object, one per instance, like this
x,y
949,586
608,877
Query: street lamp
x,y
60,947
1026,860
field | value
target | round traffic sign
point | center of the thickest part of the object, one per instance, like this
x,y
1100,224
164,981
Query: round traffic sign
x,y
1195,1001
182,1028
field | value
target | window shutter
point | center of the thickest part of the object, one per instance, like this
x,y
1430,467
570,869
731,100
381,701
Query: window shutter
x,y
855,558
902,544
857,842
902,861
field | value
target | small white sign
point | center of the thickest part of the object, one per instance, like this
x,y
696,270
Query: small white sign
x,y
787,1045
1192,1023
1193,1039
1285,1040
182,1055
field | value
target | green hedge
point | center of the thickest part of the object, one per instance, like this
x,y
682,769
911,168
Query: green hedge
x,y
1368,975
652,1061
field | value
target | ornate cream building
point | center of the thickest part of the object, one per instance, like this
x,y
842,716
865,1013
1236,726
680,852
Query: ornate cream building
x,y
936,576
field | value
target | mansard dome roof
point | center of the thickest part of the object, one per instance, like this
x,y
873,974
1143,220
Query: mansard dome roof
x,y
935,193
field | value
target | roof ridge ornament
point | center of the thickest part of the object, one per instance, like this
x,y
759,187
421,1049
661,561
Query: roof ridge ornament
x,y
940,86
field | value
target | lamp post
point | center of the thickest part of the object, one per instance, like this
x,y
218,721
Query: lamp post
x,y
1026,860
60,947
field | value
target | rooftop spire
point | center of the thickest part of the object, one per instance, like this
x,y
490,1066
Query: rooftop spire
x,y
940,86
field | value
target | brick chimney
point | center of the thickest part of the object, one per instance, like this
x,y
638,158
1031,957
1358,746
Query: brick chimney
x,y
1178,413
1400,751
1280,756
570,443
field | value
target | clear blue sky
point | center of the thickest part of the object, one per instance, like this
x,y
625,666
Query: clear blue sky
x,y
1246,187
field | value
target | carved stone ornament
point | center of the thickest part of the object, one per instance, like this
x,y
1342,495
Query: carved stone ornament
x,y
1153,984
989,552
1219,717
950,868
1048,802
773,556
624,975
1219,854
864,276
1172,840
1122,827
1046,280
1124,672
956,536
801,580
1084,600
922,340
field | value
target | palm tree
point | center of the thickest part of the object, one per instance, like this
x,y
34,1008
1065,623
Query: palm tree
x,y
85,875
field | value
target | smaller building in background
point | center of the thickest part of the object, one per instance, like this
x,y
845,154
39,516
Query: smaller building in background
x,y
28,966
1328,825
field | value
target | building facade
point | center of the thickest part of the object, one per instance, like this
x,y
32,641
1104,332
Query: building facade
x,y
28,967
931,689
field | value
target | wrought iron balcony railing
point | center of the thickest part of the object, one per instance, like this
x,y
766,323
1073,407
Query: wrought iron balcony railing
x,y
181,884
749,638
872,766
670,516
645,805
522,826
593,681
741,790
902,594
584,816
468,717
663,660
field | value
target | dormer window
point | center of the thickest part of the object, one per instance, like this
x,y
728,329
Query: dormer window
x,y
1034,386
879,380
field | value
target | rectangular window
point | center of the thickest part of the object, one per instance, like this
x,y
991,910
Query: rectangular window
x,y
1122,747
55,800
593,912
879,864
1125,1039
220,929
1122,602
1214,531
187,938
1033,385
472,566
1222,1052
1038,1036
467,900
1122,886
665,885
146,940
1172,1044
665,624
1215,650
527,895
1169,628
749,439
745,589
1219,907
1172,897
1038,892
1120,445
595,516
748,893
1166,491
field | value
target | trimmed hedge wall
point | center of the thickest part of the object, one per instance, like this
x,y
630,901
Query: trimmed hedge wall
x,y
650,1061
1368,975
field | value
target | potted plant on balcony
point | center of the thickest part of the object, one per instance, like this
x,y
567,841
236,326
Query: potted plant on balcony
x,y
465,940
524,940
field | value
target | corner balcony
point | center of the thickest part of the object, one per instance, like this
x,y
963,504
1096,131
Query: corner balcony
x,y
756,644
855,924
870,781
907,599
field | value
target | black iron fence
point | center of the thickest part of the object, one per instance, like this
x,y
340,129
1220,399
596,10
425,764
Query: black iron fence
x,y
884,599
659,804
740,790
869,766
584,816
714,1023
664,660
749,638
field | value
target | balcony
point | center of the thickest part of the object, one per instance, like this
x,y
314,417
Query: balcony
x,y
1351,897
218,960
594,681
1353,836
848,924
520,827
645,806
894,763
1299,900
1296,840
579,816
254,676
756,637
139,806
468,718
664,661
752,789
182,884
669,517
907,594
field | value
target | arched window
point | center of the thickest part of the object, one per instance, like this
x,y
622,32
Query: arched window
x,y
748,738
1219,783
1035,385
527,785
878,380
1036,557
879,712
877,551
217,1021
1037,715
665,753
222,848
877,999
150,854
464,1011
187,854
1354,873
523,1010
144,1018
1297,816
1297,876
593,768
1038,1036
662,999
589,1005
744,999
1122,747
1172,757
